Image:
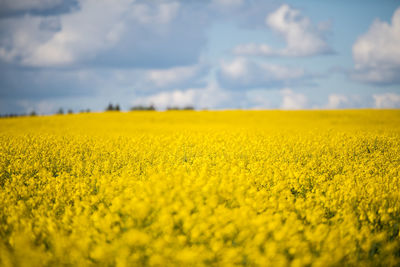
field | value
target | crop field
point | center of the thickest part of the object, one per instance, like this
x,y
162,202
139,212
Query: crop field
x,y
201,188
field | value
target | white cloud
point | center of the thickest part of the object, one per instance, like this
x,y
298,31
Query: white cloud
x,y
81,35
376,54
84,33
292,100
387,100
336,101
173,76
210,96
245,73
110,84
150,80
20,36
301,36
95,27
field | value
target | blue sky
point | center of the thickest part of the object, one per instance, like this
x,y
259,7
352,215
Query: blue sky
x,y
215,54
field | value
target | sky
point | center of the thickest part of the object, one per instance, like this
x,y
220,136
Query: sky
x,y
210,54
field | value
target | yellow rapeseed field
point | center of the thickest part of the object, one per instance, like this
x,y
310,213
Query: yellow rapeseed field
x,y
195,188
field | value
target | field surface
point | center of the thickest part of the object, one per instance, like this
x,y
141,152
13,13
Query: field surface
x,y
186,188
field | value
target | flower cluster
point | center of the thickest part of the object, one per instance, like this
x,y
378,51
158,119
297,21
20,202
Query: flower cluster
x,y
186,188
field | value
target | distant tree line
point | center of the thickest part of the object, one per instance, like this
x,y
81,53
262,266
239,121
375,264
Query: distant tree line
x,y
110,107
179,108
60,111
142,108
33,113
150,107
13,115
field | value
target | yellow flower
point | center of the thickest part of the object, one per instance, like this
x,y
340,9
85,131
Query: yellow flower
x,y
251,188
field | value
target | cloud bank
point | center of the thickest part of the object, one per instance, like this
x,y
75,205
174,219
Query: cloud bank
x,y
131,34
244,73
301,36
387,100
376,53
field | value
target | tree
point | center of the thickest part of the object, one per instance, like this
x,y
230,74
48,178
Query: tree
x,y
142,108
110,107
